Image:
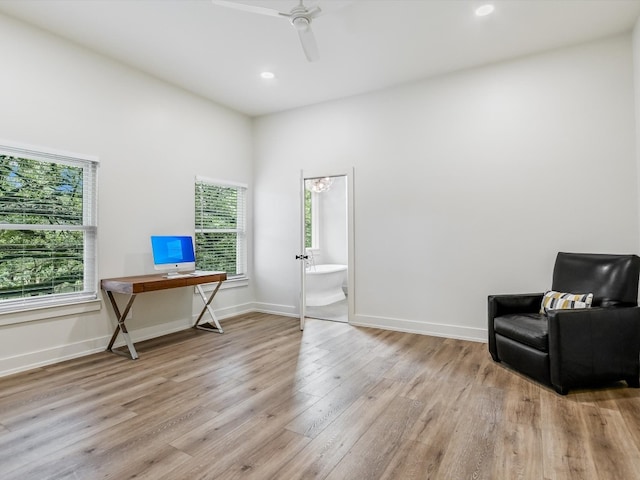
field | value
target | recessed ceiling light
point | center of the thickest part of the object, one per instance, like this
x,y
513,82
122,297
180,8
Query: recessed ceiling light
x,y
268,75
484,10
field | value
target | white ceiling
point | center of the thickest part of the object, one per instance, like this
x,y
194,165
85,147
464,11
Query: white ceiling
x,y
365,45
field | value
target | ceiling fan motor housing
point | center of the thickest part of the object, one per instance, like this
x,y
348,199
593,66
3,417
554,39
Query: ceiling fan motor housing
x,y
301,22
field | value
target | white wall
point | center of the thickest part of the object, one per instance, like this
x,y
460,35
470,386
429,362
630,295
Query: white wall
x,y
636,81
465,185
332,210
151,139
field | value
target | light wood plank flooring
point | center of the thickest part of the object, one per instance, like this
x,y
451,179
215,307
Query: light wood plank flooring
x,y
266,401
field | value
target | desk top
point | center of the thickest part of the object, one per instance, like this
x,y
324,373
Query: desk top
x,y
150,283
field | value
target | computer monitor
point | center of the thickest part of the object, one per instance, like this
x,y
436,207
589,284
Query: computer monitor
x,y
173,253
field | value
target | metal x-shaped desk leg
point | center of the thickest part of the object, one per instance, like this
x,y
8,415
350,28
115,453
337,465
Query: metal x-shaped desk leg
x,y
121,326
215,327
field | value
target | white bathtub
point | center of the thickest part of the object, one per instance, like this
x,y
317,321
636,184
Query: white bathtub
x,y
323,284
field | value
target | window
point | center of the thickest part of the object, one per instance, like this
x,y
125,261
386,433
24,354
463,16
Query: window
x,y
220,227
308,220
312,188
48,228
311,224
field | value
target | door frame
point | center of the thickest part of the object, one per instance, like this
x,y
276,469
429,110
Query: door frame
x,y
351,273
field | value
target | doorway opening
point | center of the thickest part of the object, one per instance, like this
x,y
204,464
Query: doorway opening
x,y
327,276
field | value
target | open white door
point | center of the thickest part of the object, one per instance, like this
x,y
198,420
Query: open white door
x,y
302,256
331,247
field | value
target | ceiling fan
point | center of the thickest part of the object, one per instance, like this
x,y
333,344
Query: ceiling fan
x,y
299,16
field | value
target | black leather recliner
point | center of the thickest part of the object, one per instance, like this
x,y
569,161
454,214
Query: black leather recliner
x,y
579,347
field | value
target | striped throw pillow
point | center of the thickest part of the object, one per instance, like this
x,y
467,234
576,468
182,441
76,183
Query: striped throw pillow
x,y
560,301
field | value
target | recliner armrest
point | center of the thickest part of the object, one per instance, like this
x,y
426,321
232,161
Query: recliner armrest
x,y
506,304
514,303
593,343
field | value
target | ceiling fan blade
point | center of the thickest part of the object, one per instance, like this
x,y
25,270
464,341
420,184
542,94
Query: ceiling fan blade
x,y
314,12
300,17
248,8
309,45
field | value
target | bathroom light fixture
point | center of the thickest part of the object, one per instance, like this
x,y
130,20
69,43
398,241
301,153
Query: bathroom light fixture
x,y
318,185
268,75
485,10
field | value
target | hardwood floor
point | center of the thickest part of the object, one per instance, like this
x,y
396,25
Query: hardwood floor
x,y
266,401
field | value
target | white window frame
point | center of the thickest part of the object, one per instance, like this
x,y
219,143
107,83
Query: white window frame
x,y
62,303
239,279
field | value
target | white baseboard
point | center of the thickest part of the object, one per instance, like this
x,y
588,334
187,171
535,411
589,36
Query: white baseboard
x,y
40,358
275,309
174,326
222,313
49,356
387,323
421,327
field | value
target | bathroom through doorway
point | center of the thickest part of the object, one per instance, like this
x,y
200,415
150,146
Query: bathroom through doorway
x,y
327,244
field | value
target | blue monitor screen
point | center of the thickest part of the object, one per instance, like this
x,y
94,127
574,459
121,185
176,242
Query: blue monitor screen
x,y
172,249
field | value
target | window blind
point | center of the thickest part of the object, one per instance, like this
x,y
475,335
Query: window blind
x,y
48,228
220,227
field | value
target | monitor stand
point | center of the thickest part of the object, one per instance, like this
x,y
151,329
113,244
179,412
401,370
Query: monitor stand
x,y
175,274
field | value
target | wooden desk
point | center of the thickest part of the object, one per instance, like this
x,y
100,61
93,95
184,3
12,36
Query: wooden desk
x,y
132,286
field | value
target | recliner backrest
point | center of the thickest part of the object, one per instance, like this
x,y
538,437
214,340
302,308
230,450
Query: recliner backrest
x,y
613,279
